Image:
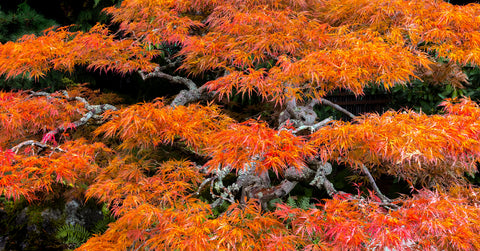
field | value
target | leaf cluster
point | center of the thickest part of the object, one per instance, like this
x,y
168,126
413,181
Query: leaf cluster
x,y
281,51
73,235
428,220
414,146
24,175
61,49
22,115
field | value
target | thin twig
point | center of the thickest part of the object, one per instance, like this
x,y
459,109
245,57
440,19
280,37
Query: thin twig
x,y
314,127
93,110
337,107
139,247
384,198
204,183
36,143
219,196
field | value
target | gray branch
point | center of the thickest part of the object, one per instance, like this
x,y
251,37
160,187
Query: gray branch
x,y
154,74
313,128
336,107
384,198
93,110
157,73
192,94
297,114
316,174
16,148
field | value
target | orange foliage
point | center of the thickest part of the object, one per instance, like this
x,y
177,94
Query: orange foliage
x,y
414,146
22,115
255,144
149,124
125,185
326,45
427,221
204,128
189,226
23,175
94,97
158,212
282,51
61,50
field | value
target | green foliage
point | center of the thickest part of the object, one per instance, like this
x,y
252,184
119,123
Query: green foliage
x,y
425,96
324,112
102,225
34,214
10,209
73,235
302,202
53,81
217,211
472,90
24,20
422,97
92,13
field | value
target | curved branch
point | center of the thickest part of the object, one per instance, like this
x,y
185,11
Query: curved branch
x,y
157,73
384,198
93,111
314,127
267,194
298,114
16,148
337,107
192,95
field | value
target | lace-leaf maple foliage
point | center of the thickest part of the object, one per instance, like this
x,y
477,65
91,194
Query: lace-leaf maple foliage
x,y
290,54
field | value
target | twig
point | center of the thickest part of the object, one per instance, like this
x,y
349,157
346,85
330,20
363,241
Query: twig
x,y
337,107
193,93
384,198
220,196
267,194
93,110
314,127
204,183
174,79
216,203
139,247
320,180
36,143
331,191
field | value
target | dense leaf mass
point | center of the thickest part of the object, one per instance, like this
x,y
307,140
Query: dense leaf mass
x,y
255,144
178,173
150,124
414,146
22,116
61,49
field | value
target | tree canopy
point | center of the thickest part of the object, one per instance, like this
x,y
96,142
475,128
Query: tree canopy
x,y
229,184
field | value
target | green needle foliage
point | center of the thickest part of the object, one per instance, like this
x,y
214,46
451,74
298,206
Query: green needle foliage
x,y
24,20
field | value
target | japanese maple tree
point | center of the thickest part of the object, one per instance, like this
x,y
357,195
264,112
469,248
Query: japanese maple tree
x,y
291,54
